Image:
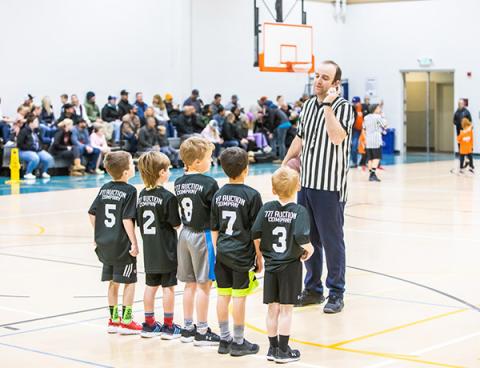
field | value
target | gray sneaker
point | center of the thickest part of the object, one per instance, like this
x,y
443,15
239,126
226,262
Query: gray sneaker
x,y
334,304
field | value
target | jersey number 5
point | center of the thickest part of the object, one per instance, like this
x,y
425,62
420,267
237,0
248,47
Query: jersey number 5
x,y
110,215
187,206
282,239
231,216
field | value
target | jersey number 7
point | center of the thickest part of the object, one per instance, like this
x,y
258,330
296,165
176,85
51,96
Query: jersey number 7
x,y
231,216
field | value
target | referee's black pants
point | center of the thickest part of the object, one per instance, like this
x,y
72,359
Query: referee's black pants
x,y
326,233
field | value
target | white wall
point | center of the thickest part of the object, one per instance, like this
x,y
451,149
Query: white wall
x,y
385,38
51,47
223,49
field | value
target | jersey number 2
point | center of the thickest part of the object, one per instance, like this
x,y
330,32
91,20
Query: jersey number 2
x,y
150,218
282,239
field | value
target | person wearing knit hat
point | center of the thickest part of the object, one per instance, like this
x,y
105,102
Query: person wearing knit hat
x,y
173,110
91,108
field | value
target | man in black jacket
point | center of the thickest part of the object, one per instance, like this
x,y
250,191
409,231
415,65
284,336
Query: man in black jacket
x,y
124,106
69,113
462,112
148,136
188,123
111,115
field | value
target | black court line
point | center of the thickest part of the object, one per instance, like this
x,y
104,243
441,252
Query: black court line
x,y
73,313
59,261
11,328
404,222
469,305
14,296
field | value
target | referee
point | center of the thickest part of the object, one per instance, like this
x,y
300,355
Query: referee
x,y
324,140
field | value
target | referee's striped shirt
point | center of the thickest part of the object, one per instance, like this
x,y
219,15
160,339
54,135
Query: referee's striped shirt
x,y
325,165
374,126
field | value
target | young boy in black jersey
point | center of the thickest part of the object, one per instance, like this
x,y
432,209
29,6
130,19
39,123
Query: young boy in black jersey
x,y
112,215
281,233
234,209
157,217
196,255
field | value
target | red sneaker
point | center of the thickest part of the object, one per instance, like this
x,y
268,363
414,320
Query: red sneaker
x,y
113,326
133,328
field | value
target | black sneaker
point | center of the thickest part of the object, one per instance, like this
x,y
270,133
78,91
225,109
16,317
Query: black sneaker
x,y
374,177
287,356
188,335
244,349
272,354
309,297
334,304
208,339
224,347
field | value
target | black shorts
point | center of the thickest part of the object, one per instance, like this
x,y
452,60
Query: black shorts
x,y
374,153
285,286
126,274
234,283
161,279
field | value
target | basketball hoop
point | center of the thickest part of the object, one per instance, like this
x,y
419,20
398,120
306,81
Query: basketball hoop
x,y
298,66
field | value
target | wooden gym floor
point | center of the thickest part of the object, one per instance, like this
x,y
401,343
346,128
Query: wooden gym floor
x,y
413,256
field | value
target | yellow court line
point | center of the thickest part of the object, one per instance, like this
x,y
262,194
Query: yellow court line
x,y
392,329
41,229
363,352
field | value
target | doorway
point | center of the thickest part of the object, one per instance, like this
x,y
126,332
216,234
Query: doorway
x,y
428,111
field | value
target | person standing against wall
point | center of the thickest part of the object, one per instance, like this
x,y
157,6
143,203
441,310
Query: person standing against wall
x,y
324,142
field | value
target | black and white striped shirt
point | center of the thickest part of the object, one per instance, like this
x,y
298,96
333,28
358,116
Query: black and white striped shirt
x,y
324,164
374,126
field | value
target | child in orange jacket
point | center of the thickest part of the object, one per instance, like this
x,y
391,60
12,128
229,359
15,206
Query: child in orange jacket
x,y
362,149
465,139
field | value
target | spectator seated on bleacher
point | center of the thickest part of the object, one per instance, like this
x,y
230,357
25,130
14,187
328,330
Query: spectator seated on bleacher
x,y
216,103
149,113
219,117
124,106
111,116
212,133
30,149
160,110
63,148
129,130
80,110
230,134
173,110
195,101
141,105
186,123
81,139
165,146
148,136
91,108
68,113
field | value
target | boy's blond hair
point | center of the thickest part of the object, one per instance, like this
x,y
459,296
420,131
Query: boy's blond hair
x,y
195,148
466,123
285,182
150,164
116,163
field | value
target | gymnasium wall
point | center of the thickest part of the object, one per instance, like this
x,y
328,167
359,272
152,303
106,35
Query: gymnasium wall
x,y
386,38
51,47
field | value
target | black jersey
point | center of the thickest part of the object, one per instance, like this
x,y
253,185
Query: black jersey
x,y
157,217
115,202
234,209
194,193
282,230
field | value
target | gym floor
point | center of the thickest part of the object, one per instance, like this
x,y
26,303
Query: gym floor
x,y
412,295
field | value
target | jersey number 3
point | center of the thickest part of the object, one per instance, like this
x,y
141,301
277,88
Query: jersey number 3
x,y
282,239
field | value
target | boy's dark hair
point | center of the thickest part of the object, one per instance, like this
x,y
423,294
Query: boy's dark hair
x,y
234,161
116,163
217,95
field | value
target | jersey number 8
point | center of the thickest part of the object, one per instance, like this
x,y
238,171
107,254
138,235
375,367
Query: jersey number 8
x,y
187,206
282,239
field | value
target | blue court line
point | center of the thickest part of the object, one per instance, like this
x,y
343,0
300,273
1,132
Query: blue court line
x,y
55,355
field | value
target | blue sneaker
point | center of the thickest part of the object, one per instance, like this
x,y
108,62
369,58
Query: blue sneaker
x,y
171,333
151,331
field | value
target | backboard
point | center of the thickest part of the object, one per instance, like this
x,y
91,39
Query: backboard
x,y
287,48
